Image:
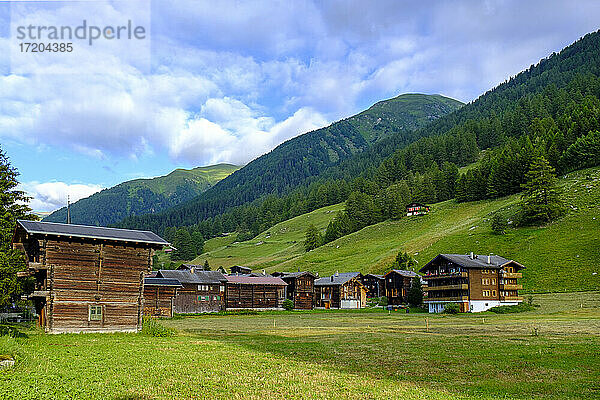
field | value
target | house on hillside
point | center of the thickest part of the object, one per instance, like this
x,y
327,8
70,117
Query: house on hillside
x,y
300,288
201,291
341,290
87,278
254,292
159,296
374,284
397,284
416,209
475,282
238,269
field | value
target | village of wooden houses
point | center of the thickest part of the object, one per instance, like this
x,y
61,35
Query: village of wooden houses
x,y
95,279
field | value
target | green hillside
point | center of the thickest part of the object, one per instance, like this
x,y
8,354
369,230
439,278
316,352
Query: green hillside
x,y
143,196
408,111
560,256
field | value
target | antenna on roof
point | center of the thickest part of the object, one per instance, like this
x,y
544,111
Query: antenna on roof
x,y
68,210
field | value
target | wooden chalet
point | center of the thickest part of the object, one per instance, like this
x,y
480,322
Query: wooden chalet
x,y
254,292
416,209
159,296
201,291
87,278
300,288
238,269
475,282
374,285
397,284
342,290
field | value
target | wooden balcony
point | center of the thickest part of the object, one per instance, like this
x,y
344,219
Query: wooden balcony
x,y
510,286
516,275
511,298
448,275
460,286
455,298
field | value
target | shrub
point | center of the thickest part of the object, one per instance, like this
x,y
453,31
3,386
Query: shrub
x,y
451,308
11,331
383,301
151,327
288,305
498,224
521,307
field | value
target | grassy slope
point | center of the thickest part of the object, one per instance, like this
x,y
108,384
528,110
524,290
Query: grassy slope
x,y
560,256
278,244
324,355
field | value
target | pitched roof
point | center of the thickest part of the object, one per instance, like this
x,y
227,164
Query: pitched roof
x,y
478,261
197,278
255,280
93,232
337,279
403,272
374,275
294,274
161,282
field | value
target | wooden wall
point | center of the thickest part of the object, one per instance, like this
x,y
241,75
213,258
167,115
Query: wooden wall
x,y
158,300
191,300
253,296
301,291
476,286
78,273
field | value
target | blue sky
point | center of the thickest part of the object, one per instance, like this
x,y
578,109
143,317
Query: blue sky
x,y
228,82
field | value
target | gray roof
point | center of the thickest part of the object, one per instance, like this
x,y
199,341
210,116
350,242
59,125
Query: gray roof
x,y
478,261
337,279
161,282
374,275
93,232
284,275
197,278
404,272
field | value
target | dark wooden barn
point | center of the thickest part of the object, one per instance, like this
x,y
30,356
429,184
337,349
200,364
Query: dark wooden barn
x,y
300,288
397,284
87,279
374,284
201,291
342,290
159,296
254,292
238,269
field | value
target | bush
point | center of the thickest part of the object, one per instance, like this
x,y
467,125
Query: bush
x,y
521,307
11,331
288,305
451,308
151,327
383,301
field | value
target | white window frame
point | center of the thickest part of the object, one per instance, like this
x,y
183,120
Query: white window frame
x,y
95,316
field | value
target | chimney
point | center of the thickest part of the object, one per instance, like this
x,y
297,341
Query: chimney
x,y
68,210
472,256
331,278
264,272
193,270
489,259
337,273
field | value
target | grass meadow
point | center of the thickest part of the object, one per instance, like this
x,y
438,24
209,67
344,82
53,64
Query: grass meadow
x,y
550,353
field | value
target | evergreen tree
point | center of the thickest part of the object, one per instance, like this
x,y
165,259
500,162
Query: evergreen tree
x,y
206,266
404,261
198,242
13,204
184,245
498,223
313,238
541,196
415,293
170,233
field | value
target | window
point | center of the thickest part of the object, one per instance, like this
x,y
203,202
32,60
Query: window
x,y
493,293
203,288
221,288
486,293
95,313
494,281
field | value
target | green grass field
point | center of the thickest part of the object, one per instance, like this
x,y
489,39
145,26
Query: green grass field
x,y
324,355
560,256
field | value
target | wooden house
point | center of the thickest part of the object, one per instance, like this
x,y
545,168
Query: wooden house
x,y
300,288
342,290
416,209
201,291
238,269
87,279
475,282
397,284
374,285
254,292
159,296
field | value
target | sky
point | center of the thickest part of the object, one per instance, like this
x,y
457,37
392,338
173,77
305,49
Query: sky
x,y
228,81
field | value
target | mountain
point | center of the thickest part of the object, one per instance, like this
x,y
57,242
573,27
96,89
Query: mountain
x,y
143,196
295,161
556,258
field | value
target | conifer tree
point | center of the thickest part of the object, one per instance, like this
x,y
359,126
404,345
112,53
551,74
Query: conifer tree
x,y
313,238
184,245
541,196
198,242
415,293
206,266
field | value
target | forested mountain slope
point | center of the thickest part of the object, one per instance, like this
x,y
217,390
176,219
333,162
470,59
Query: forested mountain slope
x,y
142,196
303,157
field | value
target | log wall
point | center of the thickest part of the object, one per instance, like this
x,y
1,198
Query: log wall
x,y
254,296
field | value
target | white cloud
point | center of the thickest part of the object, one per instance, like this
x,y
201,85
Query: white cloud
x,y
50,196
